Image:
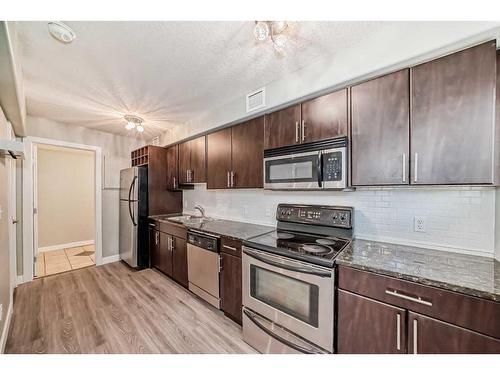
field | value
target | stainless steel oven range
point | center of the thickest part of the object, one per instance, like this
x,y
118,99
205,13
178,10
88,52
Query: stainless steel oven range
x,y
289,280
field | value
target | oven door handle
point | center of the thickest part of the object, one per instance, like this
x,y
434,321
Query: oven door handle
x,y
288,267
278,337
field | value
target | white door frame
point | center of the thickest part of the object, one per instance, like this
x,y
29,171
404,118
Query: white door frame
x,y
11,216
28,201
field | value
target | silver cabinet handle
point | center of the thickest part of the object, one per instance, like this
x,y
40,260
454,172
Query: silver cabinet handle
x,y
157,238
172,242
404,167
398,331
415,336
191,175
395,293
303,130
229,248
187,175
232,178
228,179
415,171
175,185
297,139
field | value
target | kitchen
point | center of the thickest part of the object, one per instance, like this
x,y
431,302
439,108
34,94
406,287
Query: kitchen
x,y
332,205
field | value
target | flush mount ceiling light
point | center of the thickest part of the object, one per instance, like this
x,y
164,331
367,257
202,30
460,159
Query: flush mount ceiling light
x,y
134,122
273,30
61,32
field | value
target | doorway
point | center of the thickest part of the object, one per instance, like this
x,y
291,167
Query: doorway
x,y
64,197
62,212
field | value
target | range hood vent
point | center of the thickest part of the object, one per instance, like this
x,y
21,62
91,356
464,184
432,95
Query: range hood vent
x,y
14,149
256,99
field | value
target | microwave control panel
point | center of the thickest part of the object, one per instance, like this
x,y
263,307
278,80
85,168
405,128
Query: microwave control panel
x,y
332,166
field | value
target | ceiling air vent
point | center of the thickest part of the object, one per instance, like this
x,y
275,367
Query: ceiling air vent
x,y
256,99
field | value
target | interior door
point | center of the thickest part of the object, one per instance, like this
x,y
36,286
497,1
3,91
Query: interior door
x,y
432,336
380,130
219,164
453,114
282,127
366,326
12,218
324,117
35,206
248,153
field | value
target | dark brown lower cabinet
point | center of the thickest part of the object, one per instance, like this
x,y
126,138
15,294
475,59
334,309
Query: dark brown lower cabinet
x,y
231,286
165,261
154,246
431,336
179,261
366,326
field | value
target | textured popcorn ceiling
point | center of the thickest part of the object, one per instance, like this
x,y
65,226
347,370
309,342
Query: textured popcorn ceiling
x,y
165,72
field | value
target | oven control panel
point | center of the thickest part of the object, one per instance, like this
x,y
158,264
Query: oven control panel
x,y
332,216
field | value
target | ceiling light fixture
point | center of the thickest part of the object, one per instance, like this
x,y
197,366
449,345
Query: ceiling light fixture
x,y
61,32
134,122
273,30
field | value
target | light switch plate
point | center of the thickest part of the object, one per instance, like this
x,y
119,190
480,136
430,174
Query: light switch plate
x,y
419,224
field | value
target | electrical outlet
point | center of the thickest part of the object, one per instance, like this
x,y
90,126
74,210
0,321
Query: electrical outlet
x,y
419,223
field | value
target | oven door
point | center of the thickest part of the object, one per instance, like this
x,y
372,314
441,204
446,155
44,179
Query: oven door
x,y
294,295
293,171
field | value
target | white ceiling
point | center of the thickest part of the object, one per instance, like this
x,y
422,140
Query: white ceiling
x,y
165,72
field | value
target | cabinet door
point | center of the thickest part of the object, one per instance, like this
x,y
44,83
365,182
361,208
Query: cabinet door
x,y
452,118
282,128
179,261
184,161
231,286
430,336
154,247
219,159
380,130
248,153
172,165
366,326
324,117
198,153
165,265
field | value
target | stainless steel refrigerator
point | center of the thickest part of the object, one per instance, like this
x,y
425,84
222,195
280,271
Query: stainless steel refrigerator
x,y
133,217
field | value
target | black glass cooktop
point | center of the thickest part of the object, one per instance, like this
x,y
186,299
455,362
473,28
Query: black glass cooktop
x,y
315,249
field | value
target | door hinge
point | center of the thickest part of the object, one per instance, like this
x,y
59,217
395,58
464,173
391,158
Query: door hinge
x,y
35,211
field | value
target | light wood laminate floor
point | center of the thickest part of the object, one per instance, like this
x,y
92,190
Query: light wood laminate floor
x,y
113,309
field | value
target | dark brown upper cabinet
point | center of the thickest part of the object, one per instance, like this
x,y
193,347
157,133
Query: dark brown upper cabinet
x,y
172,167
234,156
452,118
324,117
282,127
319,118
380,130
192,161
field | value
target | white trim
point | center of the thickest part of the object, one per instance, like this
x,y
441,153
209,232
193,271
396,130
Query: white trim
x,y
28,241
65,245
110,259
19,280
8,318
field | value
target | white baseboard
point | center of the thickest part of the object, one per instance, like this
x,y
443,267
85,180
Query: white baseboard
x,y
5,333
65,246
110,259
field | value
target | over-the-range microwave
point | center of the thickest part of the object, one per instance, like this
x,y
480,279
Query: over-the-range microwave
x,y
315,165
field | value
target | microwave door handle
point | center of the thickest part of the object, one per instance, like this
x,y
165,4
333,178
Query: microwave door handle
x,y
278,337
288,267
320,169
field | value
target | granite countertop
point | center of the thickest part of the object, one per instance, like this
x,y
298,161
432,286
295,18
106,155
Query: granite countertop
x,y
228,228
469,274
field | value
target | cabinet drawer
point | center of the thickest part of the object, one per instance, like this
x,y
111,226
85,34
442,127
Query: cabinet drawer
x,y
174,229
230,246
477,314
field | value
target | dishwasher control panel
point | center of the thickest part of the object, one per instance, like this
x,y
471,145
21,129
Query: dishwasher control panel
x,y
205,241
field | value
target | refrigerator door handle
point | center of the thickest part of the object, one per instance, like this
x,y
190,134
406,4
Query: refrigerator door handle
x,y
132,185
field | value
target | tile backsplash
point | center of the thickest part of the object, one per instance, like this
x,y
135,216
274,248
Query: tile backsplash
x,y
456,218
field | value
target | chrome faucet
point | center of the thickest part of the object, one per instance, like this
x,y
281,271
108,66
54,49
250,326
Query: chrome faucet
x,y
201,209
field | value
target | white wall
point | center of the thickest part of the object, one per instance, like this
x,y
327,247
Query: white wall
x,y
457,219
65,188
116,154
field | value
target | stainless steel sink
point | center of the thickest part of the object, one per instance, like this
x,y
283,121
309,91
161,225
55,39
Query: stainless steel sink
x,y
190,219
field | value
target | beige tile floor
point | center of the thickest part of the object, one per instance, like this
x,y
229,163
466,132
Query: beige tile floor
x,y
58,261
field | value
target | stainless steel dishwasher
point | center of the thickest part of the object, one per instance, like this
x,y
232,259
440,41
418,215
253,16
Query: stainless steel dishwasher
x,y
204,266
